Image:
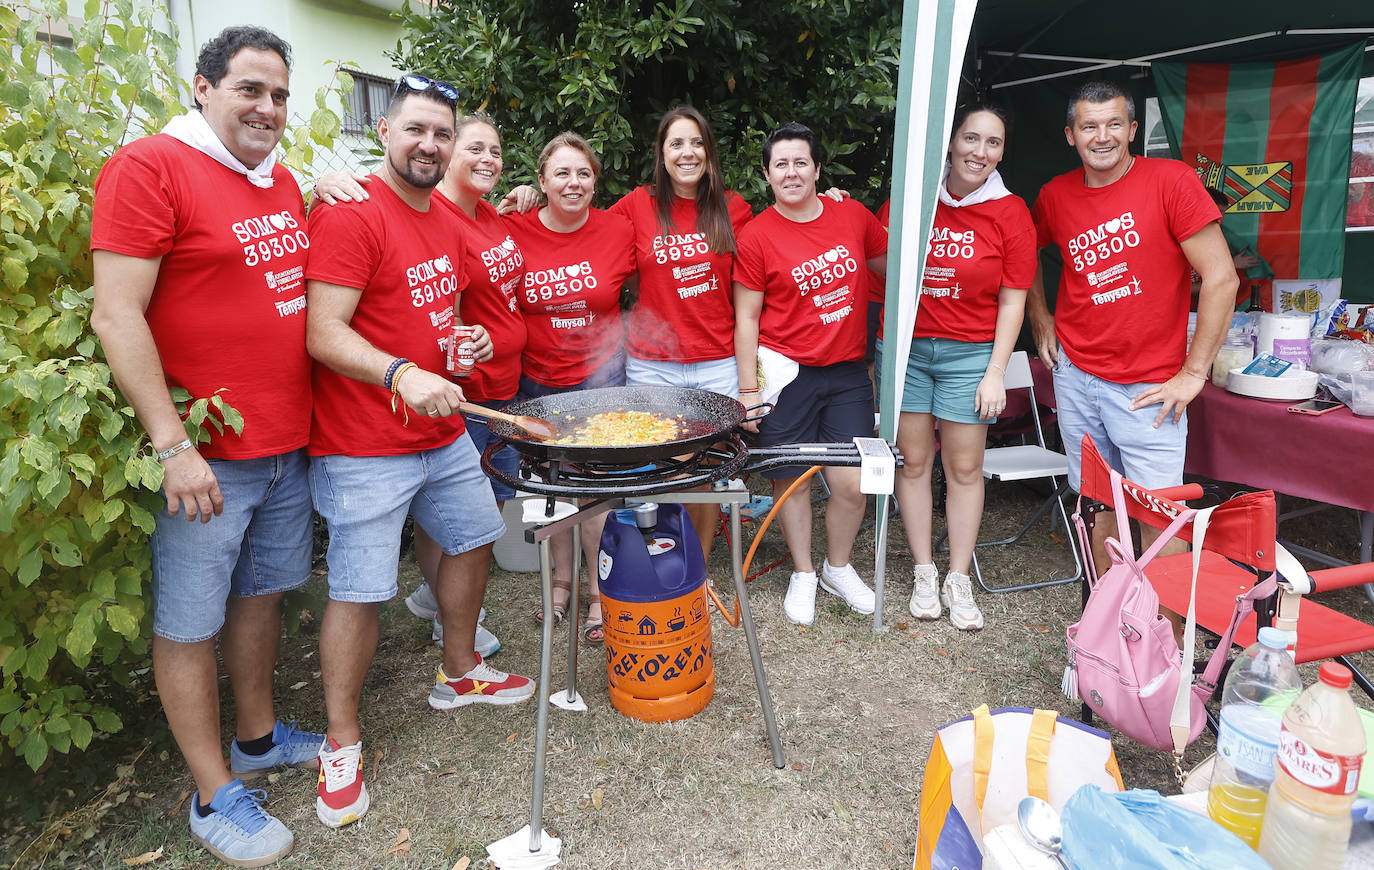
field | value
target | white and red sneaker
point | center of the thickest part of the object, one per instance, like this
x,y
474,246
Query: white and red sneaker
x,y
342,796
481,685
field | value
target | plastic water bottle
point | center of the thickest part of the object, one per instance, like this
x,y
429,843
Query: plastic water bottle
x,y
1321,749
1262,684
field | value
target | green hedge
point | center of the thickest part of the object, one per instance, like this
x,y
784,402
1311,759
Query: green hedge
x,y
610,68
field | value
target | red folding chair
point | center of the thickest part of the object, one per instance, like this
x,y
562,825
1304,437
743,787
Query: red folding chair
x,y
1239,550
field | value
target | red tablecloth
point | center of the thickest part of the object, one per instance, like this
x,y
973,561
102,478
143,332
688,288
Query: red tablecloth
x,y
1259,443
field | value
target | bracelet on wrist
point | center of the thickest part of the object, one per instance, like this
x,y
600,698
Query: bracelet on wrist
x,y
180,447
390,377
1194,374
744,392
994,365
396,377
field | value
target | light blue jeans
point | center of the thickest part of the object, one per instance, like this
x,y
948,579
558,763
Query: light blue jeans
x,y
1127,439
365,500
259,545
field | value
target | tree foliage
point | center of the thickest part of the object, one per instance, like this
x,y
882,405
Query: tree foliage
x,y
609,69
79,484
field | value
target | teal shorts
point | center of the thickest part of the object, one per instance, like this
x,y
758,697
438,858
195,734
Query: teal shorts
x,y
942,377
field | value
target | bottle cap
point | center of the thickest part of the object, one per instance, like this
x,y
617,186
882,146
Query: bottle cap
x,y
1334,675
1274,638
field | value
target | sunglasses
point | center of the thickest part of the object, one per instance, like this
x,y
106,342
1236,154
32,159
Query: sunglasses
x,y
419,84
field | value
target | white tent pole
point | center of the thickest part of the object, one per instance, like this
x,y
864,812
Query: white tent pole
x,y
1144,60
934,39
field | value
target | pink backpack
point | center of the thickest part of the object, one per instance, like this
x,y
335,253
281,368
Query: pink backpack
x,y
1124,662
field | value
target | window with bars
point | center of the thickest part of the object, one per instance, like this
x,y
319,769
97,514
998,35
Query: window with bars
x,y
367,103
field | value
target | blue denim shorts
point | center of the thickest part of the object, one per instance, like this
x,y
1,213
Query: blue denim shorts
x,y
1127,439
365,500
506,459
259,545
716,375
942,377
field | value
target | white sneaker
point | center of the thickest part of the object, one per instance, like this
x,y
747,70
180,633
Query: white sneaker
x,y
485,643
800,603
422,602
925,593
957,595
844,581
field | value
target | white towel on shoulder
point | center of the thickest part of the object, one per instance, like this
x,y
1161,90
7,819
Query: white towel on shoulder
x,y
194,130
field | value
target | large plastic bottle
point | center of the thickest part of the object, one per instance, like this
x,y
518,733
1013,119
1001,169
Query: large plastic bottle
x,y
1321,749
1262,684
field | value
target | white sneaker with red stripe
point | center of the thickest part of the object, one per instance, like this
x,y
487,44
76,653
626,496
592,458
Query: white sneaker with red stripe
x,y
342,796
481,685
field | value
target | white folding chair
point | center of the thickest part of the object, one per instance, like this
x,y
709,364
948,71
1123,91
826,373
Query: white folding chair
x,y
1029,462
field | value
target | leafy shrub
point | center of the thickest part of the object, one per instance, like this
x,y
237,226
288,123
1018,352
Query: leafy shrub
x,y
610,68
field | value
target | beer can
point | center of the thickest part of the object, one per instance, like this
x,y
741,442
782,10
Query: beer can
x,y
462,351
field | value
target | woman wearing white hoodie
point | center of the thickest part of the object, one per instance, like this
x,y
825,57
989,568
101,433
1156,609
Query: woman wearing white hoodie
x,y
979,265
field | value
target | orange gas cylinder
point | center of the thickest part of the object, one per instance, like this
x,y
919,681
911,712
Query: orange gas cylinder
x,y
653,600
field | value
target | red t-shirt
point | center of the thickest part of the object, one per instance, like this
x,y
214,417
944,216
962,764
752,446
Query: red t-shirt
x,y
571,294
495,269
814,280
408,264
1122,310
974,252
228,308
877,286
685,295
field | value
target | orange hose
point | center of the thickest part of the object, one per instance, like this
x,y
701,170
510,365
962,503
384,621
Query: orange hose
x,y
754,545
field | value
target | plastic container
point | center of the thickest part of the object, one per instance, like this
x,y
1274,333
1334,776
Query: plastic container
x,y
1321,748
1235,353
1362,393
659,665
1262,684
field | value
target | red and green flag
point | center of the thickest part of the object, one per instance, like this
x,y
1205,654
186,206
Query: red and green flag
x,y
1275,140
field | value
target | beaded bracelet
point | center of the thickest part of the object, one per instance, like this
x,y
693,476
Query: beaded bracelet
x,y
390,375
180,447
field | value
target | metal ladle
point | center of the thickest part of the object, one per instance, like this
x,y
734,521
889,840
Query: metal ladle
x,y
1039,824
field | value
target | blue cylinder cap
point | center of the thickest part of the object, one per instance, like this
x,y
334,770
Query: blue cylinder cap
x,y
1274,638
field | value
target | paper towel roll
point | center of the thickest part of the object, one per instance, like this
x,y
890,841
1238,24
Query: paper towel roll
x,y
1285,336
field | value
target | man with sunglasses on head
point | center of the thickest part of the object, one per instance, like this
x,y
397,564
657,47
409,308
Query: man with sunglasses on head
x,y
387,439
199,250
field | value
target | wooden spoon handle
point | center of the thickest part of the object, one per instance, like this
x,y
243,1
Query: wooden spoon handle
x,y
482,411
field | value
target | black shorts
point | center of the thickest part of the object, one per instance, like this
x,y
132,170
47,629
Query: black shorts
x,y
875,319
828,404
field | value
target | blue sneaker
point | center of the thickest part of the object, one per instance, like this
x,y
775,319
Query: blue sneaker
x,y
289,747
238,831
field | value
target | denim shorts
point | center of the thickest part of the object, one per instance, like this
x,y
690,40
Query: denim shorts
x,y
365,500
942,377
1127,439
506,459
716,375
259,545
832,404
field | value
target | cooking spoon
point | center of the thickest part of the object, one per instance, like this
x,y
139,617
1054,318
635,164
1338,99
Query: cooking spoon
x,y
1039,824
537,427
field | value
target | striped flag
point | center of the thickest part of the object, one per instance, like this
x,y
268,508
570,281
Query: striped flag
x,y
1275,140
